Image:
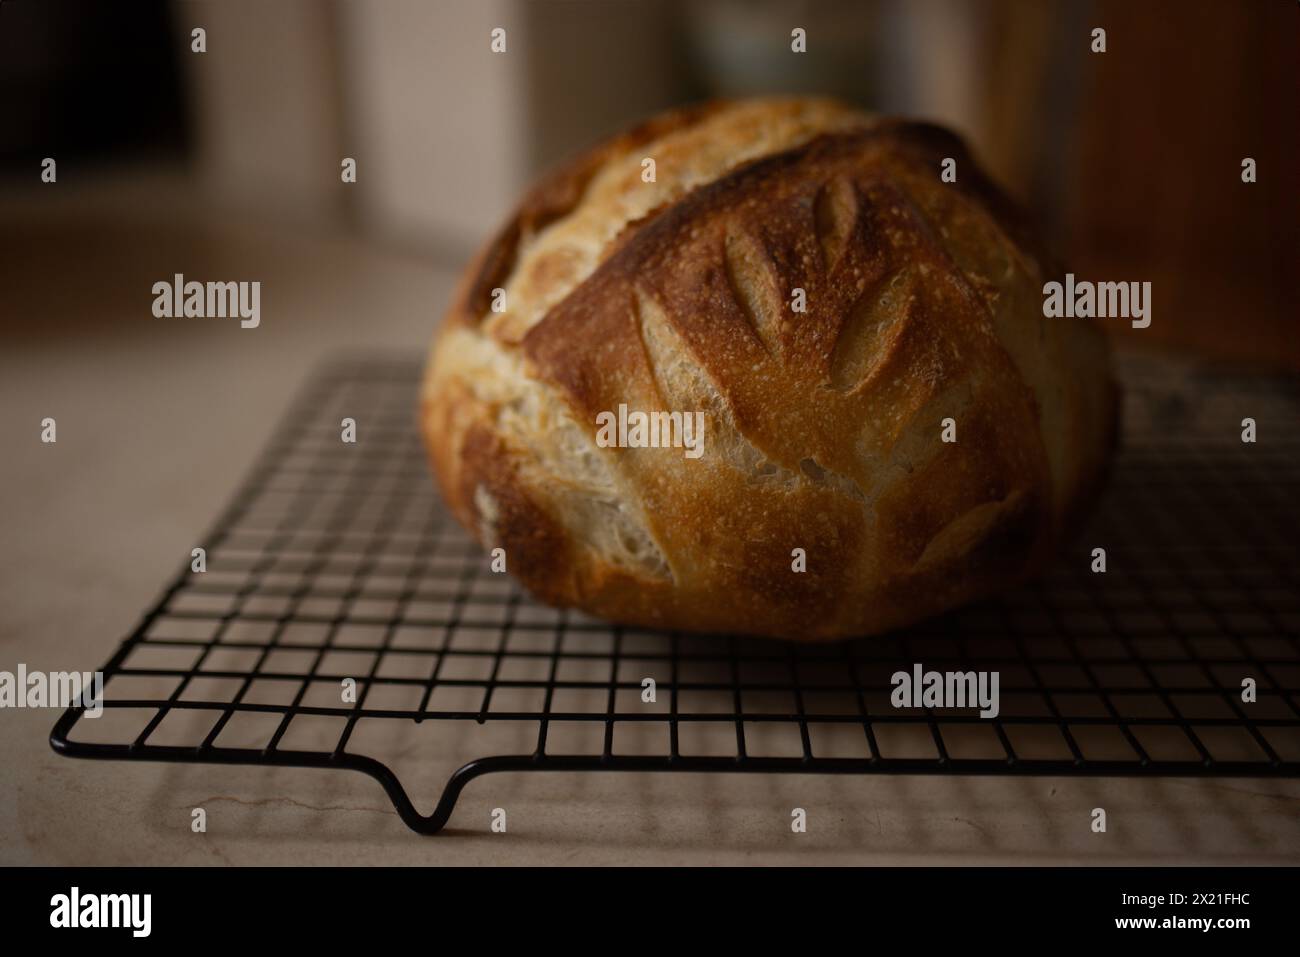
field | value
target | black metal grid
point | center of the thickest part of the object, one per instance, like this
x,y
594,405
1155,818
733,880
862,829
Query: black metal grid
x,y
337,561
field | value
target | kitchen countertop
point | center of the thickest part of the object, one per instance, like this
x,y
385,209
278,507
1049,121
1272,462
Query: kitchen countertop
x,y
157,421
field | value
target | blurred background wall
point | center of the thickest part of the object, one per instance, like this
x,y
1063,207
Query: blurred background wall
x,y
1129,161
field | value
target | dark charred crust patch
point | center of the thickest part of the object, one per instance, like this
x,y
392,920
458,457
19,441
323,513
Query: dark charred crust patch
x,y
496,263
929,145
537,548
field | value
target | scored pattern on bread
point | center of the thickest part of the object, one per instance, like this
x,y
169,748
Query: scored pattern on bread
x,y
862,342
822,426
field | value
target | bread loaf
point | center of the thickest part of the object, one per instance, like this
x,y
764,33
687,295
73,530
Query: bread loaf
x,y
917,436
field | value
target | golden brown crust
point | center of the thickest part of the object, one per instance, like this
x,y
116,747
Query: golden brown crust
x,y
822,427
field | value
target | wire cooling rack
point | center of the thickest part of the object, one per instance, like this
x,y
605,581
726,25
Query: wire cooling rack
x,y
336,561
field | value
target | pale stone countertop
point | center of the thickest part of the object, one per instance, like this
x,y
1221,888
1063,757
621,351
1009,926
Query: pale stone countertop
x,y
158,419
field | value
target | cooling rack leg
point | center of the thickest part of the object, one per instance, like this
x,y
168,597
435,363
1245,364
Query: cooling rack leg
x,y
433,823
